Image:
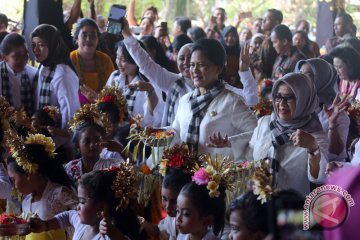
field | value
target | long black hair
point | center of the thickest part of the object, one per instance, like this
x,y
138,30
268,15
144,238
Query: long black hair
x,y
206,205
98,184
50,168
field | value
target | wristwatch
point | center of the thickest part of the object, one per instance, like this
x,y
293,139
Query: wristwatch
x,y
314,152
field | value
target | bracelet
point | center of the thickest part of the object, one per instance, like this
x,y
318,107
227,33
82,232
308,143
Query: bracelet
x,y
333,127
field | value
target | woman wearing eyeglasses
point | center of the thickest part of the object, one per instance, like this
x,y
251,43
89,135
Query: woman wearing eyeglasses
x,y
93,67
292,136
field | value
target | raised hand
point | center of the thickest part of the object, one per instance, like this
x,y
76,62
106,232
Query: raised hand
x,y
217,141
126,32
141,86
244,60
303,139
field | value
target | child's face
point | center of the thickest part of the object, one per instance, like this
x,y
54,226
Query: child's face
x,y
17,58
169,198
89,140
40,49
188,219
20,181
88,210
237,228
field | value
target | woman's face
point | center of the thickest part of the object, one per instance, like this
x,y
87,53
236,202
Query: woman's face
x,y
188,219
203,72
306,70
89,140
341,68
87,209
183,61
150,14
281,45
40,49
17,58
21,181
148,27
285,103
298,41
231,39
256,44
169,198
124,66
87,39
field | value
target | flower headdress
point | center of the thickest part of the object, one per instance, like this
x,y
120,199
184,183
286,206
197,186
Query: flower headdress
x,y
53,112
178,156
114,95
215,173
124,185
262,179
17,148
5,114
89,113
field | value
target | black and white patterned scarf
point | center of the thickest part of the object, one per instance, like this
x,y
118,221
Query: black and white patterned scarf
x,y
172,98
26,91
199,104
45,92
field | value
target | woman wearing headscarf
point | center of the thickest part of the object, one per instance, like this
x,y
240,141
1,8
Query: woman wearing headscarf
x,y
331,109
210,106
231,43
292,136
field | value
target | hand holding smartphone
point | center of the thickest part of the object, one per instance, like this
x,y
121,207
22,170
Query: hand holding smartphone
x,y
115,19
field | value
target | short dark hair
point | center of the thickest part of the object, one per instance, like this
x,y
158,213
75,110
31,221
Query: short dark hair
x,y
184,23
346,17
180,41
278,16
302,21
85,22
351,58
10,42
111,110
283,32
80,129
175,179
4,19
196,33
153,9
212,49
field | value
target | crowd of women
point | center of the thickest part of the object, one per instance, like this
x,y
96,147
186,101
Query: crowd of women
x,y
64,125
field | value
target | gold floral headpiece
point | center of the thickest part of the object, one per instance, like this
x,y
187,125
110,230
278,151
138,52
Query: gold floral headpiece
x,y
17,148
114,95
89,113
20,119
178,156
53,112
215,172
262,179
5,114
124,185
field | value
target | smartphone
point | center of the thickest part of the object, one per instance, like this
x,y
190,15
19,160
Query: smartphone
x,y
115,19
164,28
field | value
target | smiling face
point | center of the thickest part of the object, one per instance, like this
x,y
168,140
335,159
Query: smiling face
x,y
298,41
39,48
148,27
245,35
125,67
285,103
341,68
203,72
87,39
188,219
183,61
306,70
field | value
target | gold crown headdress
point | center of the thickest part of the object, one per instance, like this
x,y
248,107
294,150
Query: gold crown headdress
x,y
215,172
178,156
124,185
17,148
53,112
262,179
5,113
89,113
114,95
